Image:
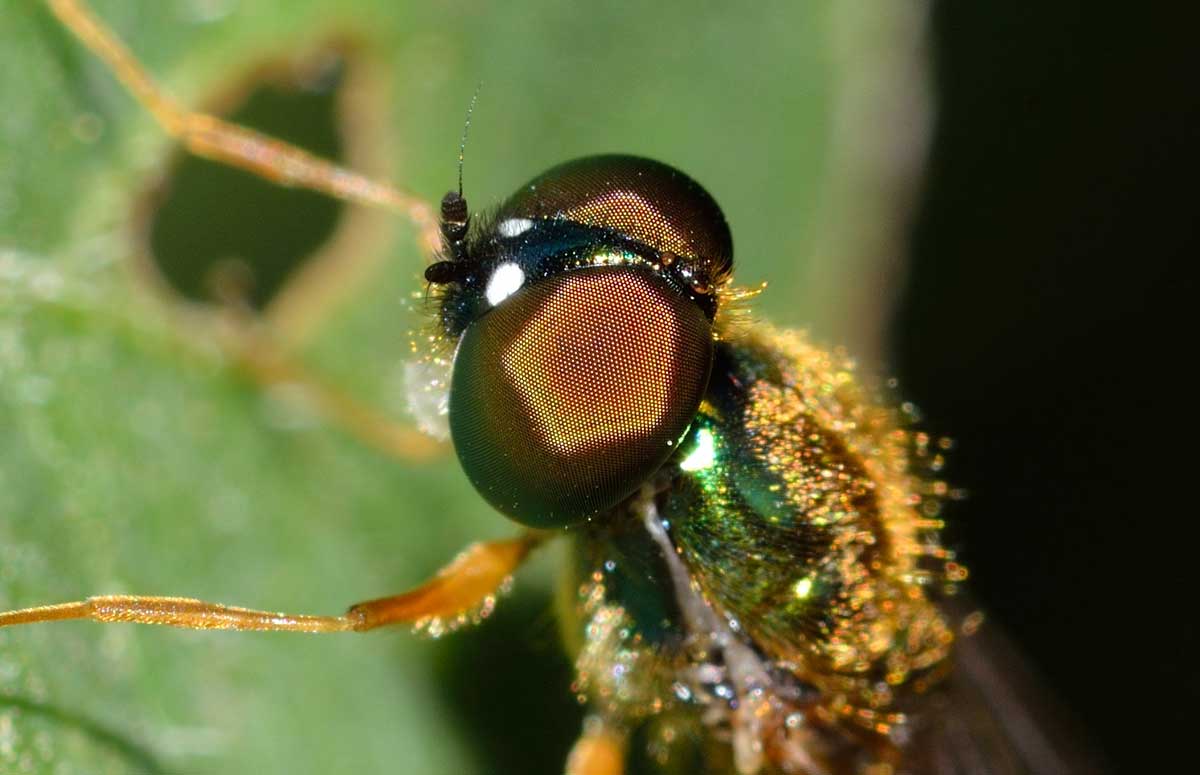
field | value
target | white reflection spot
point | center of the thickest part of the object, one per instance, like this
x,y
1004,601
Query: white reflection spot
x,y
504,282
514,227
803,588
704,455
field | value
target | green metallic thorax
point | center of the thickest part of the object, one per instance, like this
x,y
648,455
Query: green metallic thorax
x,y
791,509
772,514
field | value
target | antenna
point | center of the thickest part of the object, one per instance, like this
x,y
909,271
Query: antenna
x,y
462,146
456,218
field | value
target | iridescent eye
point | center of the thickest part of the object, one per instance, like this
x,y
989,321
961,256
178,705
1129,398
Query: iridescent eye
x,y
645,200
583,312
570,394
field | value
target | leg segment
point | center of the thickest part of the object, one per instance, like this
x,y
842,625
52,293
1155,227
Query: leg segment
x,y
213,138
600,750
268,366
461,586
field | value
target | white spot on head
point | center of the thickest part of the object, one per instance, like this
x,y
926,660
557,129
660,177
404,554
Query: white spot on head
x,y
514,227
504,282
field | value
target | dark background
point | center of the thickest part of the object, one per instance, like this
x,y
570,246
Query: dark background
x,y
1046,328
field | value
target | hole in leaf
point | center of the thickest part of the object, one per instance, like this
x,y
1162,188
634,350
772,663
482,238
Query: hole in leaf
x,y
218,234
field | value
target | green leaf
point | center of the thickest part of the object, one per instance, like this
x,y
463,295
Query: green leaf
x,y
134,459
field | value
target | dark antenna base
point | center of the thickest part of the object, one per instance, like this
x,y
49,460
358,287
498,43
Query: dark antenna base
x,y
456,217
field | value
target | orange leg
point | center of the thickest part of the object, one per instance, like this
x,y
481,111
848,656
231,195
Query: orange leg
x,y
270,367
213,138
600,750
468,583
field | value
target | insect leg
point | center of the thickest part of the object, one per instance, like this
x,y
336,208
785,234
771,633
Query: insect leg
x,y
268,366
466,583
463,585
237,146
600,750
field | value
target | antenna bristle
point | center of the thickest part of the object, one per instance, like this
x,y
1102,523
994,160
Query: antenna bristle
x,y
462,146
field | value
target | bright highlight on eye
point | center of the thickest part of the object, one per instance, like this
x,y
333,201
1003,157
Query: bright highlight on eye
x,y
504,282
704,455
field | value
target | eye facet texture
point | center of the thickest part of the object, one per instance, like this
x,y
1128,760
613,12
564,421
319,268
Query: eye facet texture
x,y
570,394
646,200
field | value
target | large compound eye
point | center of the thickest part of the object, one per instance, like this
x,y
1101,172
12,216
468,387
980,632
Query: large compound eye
x,y
575,390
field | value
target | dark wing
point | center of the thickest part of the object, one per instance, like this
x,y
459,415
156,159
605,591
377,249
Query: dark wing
x,y
994,717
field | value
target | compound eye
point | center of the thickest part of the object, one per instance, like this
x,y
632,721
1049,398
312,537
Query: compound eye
x,y
570,394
